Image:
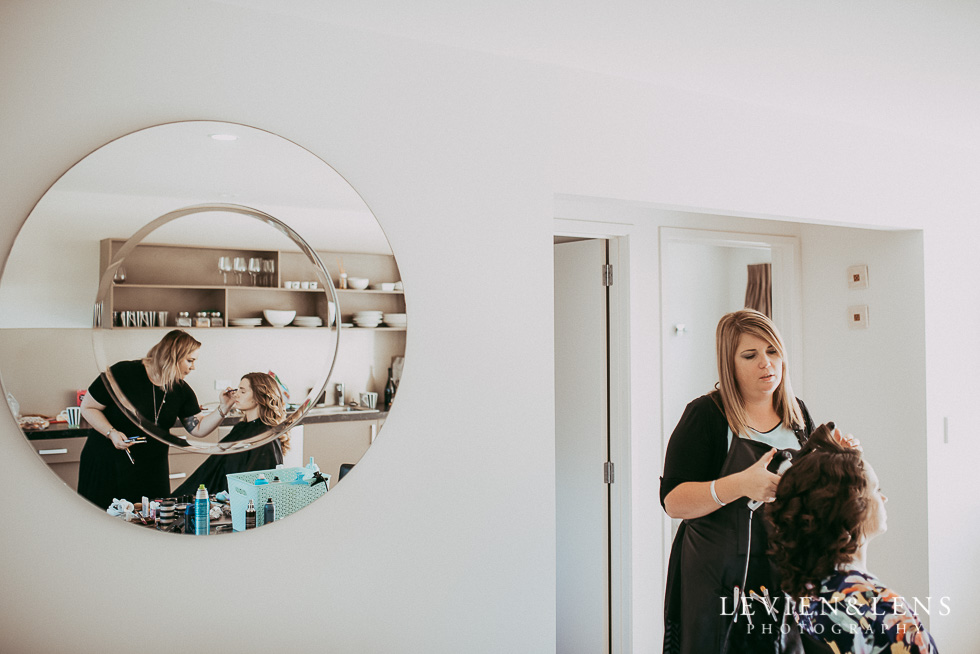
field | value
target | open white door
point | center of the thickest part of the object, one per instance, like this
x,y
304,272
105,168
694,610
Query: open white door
x,y
581,448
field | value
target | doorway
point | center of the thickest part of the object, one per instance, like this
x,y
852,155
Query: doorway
x,y
704,275
591,472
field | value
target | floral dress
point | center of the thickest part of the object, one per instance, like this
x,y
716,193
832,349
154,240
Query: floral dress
x,y
854,613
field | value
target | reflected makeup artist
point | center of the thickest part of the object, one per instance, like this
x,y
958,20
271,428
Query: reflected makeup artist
x,y
118,462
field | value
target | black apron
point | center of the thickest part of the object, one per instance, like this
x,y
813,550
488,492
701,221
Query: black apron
x,y
707,563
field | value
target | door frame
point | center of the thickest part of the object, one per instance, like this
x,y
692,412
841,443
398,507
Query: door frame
x,y
620,503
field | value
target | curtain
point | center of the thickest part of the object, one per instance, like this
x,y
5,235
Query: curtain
x,y
758,292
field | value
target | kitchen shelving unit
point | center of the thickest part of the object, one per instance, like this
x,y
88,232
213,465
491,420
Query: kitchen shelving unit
x,y
175,278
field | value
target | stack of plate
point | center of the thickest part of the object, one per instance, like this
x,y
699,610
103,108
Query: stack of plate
x,y
395,319
368,318
245,322
308,321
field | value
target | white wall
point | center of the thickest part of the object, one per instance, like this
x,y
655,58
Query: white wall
x,y
460,156
44,367
871,382
432,544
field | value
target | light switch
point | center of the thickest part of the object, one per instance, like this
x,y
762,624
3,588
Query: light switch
x,y
857,276
857,316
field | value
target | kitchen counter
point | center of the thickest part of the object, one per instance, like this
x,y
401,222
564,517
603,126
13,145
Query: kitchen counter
x,y
315,415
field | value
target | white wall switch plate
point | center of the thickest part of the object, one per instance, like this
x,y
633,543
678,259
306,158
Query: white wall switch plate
x,y
857,316
857,276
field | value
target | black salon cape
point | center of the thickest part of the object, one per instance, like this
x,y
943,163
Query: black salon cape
x,y
105,473
707,558
212,472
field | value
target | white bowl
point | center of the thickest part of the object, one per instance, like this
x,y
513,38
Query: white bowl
x,y
278,318
358,283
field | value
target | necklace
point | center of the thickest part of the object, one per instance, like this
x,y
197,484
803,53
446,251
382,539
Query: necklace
x,y
156,411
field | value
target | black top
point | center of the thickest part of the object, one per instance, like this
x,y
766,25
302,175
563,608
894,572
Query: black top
x,y
699,443
212,472
714,554
105,473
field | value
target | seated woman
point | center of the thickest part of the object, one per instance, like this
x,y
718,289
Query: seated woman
x,y
828,506
259,399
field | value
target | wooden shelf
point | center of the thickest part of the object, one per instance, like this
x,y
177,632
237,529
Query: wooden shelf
x,y
168,278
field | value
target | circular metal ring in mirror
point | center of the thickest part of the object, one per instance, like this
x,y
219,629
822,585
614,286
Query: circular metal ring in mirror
x,y
103,329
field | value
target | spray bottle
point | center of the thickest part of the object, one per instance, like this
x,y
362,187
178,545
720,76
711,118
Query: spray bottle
x,y
202,508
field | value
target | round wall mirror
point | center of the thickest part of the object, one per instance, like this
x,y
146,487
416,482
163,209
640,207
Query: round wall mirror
x,y
220,309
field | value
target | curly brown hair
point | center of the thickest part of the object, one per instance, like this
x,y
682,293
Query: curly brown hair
x,y
822,505
272,407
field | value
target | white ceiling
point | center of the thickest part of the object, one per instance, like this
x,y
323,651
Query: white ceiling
x,y
910,67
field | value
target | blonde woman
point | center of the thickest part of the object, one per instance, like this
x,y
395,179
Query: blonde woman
x,y
111,466
716,463
260,400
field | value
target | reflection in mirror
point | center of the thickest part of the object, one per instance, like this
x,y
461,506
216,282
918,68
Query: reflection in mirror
x,y
280,310
52,273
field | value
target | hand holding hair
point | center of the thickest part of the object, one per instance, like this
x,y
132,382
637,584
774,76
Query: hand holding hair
x,y
847,440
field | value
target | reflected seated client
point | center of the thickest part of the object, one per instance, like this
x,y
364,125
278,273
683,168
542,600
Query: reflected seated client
x,y
260,400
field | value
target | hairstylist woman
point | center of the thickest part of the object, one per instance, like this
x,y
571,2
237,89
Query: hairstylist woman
x,y
259,399
715,464
828,506
112,467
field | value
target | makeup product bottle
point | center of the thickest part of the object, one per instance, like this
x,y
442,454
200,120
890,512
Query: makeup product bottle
x,y
261,480
250,515
202,509
270,512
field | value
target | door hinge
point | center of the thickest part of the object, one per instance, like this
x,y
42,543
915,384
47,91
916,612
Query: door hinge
x,y
607,275
608,472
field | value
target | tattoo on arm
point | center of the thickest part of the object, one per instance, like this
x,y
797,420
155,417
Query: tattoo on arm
x,y
191,423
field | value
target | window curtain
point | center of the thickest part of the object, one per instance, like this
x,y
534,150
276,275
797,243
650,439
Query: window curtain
x,y
758,292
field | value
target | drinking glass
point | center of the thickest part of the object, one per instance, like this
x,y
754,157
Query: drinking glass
x,y
240,267
254,268
269,271
224,265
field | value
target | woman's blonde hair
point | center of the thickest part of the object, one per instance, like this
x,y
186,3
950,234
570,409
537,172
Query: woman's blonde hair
x,y
730,330
268,397
163,358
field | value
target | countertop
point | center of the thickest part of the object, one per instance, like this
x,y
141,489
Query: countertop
x,y
316,415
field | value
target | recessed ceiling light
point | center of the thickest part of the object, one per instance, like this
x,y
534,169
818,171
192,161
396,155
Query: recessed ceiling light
x,y
224,137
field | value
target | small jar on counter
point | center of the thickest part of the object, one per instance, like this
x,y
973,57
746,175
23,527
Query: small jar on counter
x,y
202,320
184,319
216,319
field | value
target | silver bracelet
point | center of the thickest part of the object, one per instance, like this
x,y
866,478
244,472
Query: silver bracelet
x,y
222,413
715,495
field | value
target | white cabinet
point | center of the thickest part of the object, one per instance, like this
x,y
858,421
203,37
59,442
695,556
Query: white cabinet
x,y
333,443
